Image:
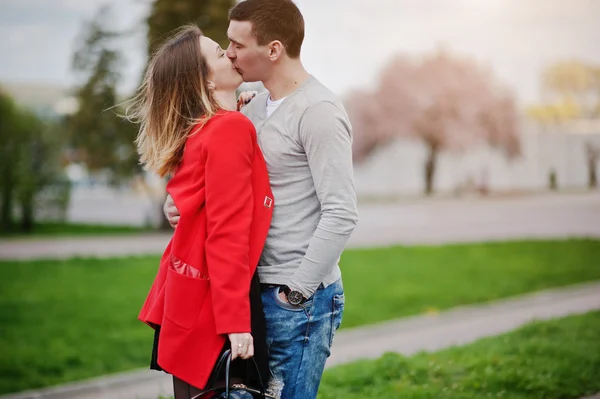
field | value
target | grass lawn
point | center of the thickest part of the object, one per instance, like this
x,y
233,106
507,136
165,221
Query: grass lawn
x,y
68,320
383,284
50,229
65,321
558,359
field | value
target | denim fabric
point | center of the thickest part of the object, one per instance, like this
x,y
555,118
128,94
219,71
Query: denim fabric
x,y
299,339
237,394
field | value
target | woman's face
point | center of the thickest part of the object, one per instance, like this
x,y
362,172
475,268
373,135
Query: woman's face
x,y
222,72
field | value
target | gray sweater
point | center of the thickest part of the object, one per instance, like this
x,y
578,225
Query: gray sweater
x,y
307,144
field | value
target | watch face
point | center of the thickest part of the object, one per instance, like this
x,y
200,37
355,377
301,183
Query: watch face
x,y
295,297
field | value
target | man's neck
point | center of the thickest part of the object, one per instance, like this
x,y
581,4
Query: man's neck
x,y
286,79
226,100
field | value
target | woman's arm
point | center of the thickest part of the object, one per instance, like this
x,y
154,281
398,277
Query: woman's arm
x,y
228,153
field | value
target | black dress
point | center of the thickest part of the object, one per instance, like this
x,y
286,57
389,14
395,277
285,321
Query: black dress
x,y
240,370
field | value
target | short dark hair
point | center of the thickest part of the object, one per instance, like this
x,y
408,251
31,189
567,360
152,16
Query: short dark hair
x,y
273,20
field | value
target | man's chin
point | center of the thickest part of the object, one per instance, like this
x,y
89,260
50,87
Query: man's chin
x,y
246,78
242,76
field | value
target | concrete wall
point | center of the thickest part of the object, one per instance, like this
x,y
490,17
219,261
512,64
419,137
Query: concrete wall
x,y
397,169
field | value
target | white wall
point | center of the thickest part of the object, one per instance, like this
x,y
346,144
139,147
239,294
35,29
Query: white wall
x,y
397,169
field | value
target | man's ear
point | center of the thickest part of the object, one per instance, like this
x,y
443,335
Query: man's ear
x,y
276,50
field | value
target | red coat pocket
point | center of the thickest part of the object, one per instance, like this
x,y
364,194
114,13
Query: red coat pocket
x,y
184,295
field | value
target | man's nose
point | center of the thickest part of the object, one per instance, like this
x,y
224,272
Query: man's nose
x,y
230,53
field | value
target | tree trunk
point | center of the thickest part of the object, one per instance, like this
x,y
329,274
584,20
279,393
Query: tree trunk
x,y
6,220
27,217
593,153
430,165
593,177
552,180
6,215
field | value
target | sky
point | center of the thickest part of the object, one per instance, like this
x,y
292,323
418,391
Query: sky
x,y
347,41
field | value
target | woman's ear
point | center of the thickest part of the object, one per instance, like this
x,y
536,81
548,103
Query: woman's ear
x,y
211,86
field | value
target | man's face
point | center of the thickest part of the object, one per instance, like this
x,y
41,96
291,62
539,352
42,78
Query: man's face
x,y
250,60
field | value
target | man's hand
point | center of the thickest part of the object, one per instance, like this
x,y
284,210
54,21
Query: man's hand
x,y
283,297
171,212
245,98
242,345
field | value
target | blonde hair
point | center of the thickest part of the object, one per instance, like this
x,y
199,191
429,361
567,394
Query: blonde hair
x,y
172,99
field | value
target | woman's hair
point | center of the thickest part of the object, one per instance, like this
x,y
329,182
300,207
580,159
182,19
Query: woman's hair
x,y
173,97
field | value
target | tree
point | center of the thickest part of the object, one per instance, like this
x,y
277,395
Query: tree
x,y
574,81
211,16
102,139
571,90
555,113
447,102
10,144
593,154
366,119
29,164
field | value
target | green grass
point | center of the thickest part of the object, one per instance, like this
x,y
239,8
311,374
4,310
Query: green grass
x,y
383,284
65,321
68,320
50,229
558,359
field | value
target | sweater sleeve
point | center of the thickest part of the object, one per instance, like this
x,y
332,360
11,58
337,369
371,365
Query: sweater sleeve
x,y
326,136
228,155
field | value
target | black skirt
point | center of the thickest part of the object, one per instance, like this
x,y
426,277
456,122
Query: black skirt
x,y
240,370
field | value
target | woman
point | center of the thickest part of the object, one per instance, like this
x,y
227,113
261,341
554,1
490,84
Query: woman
x,y
206,296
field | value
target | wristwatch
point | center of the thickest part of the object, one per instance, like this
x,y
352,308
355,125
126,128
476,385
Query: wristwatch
x,y
294,297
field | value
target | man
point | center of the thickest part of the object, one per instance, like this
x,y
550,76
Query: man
x,y
305,136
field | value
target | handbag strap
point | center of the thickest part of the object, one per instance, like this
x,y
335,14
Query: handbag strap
x,y
228,373
219,366
226,360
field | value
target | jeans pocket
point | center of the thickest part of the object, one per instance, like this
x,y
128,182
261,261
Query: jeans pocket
x,y
289,306
336,315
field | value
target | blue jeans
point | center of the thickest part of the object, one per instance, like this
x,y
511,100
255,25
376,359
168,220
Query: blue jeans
x,y
237,394
299,339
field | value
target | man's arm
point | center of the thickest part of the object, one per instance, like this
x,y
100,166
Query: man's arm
x,y
326,135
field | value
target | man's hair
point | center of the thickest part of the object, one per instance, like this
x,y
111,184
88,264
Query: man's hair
x,y
273,20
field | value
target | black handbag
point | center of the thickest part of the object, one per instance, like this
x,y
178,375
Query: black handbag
x,y
225,360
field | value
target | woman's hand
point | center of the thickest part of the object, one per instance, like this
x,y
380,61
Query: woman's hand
x,y
245,98
242,345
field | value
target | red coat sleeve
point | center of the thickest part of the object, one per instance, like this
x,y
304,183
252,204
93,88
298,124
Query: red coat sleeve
x,y
228,155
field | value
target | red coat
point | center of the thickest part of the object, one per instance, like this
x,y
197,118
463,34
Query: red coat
x,y
222,191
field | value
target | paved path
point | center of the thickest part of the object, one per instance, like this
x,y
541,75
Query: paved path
x,y
412,222
407,336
